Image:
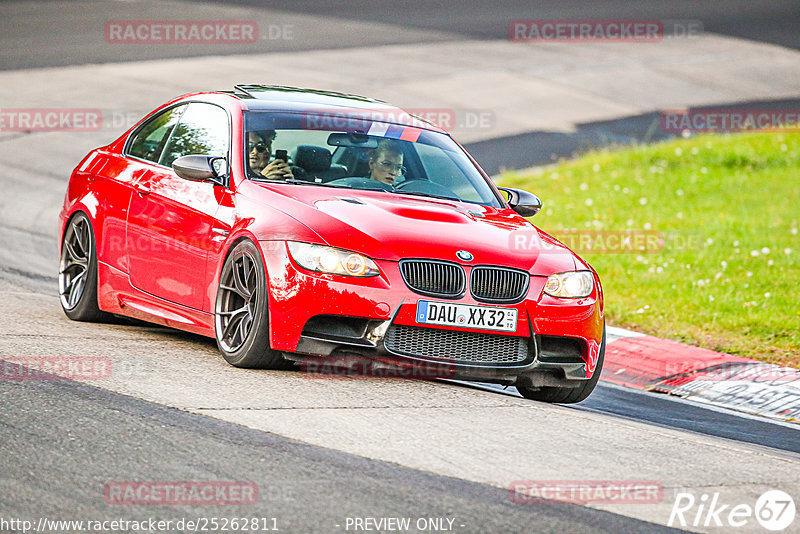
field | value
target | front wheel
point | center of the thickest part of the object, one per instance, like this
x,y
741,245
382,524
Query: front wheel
x,y
568,395
240,312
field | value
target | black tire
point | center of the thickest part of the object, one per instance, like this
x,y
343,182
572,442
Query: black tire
x,y
240,311
77,272
568,395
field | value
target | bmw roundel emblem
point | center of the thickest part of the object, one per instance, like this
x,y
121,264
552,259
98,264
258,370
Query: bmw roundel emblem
x,y
464,255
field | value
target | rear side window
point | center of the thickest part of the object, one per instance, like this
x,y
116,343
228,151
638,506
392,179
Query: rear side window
x,y
203,129
149,141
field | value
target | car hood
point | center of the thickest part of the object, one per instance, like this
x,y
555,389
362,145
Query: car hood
x,y
388,226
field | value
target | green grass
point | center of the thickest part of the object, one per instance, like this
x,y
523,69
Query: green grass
x,y
728,208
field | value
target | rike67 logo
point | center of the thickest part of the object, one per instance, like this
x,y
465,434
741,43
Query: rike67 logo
x,y
774,510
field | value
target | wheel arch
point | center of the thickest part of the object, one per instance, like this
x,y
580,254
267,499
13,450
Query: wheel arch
x,y
89,209
229,246
78,210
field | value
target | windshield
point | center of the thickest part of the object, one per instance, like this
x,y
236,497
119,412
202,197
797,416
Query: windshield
x,y
354,154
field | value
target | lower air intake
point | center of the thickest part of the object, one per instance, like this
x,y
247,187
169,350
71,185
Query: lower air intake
x,y
455,346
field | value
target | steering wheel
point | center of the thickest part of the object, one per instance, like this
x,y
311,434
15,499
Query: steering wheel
x,y
425,187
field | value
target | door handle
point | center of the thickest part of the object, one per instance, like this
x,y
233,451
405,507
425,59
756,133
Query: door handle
x,y
141,177
220,231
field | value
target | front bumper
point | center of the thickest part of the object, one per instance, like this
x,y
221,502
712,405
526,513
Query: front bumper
x,y
313,315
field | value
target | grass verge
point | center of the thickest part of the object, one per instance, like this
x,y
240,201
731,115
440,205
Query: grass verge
x,y
712,223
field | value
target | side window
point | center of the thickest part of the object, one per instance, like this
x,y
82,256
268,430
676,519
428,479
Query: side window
x,y
150,140
203,129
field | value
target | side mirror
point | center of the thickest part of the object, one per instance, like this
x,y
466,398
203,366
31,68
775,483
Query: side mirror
x,y
525,203
201,168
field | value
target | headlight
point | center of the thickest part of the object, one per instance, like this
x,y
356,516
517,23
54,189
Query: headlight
x,y
332,260
575,284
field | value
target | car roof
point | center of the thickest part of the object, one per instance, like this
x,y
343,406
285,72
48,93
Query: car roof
x,y
257,97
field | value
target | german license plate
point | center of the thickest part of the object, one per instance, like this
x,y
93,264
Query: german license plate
x,y
467,316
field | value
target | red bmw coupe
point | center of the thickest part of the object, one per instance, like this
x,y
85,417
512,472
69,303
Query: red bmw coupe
x,y
296,225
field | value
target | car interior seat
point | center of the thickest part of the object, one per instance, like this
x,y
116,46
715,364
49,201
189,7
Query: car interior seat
x,y
316,164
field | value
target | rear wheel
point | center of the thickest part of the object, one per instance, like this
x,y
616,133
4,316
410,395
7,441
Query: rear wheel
x,y
240,313
77,272
568,395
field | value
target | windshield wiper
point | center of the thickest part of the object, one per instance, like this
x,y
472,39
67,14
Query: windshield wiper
x,y
418,194
297,181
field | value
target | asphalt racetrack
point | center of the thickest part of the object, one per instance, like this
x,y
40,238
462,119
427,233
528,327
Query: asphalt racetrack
x,y
326,450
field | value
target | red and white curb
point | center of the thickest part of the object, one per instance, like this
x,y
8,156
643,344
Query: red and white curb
x,y
652,364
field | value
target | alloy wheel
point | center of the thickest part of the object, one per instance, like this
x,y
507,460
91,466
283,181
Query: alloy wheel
x,y
73,269
236,301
